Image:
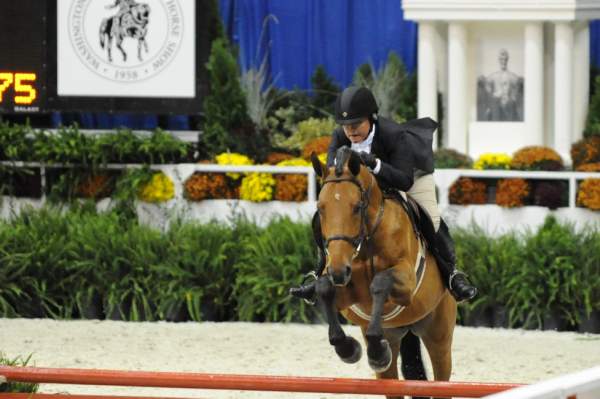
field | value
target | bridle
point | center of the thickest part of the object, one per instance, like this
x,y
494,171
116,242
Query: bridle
x,y
363,234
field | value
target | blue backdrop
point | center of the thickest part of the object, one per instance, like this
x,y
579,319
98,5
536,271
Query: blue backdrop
x,y
298,35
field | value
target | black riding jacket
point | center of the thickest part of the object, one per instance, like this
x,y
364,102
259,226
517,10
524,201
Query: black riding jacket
x,y
404,150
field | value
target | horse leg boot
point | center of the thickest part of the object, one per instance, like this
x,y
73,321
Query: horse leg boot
x,y
347,348
378,348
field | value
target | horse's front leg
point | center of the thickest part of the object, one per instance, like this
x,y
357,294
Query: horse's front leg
x,y
378,348
347,348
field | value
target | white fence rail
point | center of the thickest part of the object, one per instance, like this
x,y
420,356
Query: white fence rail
x,y
581,385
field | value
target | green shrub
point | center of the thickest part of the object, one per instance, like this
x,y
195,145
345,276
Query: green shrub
x,y
271,262
17,387
393,87
447,158
308,130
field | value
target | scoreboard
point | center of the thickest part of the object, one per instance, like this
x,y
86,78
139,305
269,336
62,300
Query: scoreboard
x,y
22,56
143,56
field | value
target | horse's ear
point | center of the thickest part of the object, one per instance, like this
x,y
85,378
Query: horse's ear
x,y
354,163
320,169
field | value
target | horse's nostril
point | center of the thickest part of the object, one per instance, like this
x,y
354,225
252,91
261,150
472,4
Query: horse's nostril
x,y
348,270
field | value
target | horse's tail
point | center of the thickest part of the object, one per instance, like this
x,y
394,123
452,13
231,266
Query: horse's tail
x,y
412,362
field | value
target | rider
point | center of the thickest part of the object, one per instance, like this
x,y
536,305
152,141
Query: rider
x,y
124,6
401,158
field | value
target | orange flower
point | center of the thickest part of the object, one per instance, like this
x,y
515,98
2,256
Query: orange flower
x,y
290,187
589,167
200,186
275,157
589,194
537,158
95,186
318,146
512,192
466,191
586,151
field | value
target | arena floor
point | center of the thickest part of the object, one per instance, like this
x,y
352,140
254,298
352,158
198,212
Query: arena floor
x,y
480,354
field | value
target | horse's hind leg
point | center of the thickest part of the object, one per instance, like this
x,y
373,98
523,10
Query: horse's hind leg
x,y
378,348
347,348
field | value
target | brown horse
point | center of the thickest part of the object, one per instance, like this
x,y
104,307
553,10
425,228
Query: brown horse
x,y
379,275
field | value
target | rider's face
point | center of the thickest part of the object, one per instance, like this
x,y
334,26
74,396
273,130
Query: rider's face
x,y
357,132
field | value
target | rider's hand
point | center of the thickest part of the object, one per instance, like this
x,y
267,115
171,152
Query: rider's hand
x,y
368,159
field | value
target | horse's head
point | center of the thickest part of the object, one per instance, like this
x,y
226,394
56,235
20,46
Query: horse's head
x,y
140,13
343,211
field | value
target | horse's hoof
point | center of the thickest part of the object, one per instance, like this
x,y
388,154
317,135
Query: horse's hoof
x,y
349,351
385,360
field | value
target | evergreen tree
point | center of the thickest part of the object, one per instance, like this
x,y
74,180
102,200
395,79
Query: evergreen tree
x,y
593,118
325,90
225,106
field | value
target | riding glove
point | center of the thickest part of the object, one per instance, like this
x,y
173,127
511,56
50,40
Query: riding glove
x,y
368,159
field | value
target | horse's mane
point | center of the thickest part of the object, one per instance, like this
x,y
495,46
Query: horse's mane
x,y
343,155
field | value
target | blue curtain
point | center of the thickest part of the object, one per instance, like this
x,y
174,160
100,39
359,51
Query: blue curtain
x,y
595,43
297,36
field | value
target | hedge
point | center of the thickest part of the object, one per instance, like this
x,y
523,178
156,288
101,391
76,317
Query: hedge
x,y
81,264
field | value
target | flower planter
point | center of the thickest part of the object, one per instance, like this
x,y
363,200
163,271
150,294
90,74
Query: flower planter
x,y
553,320
500,317
591,323
480,317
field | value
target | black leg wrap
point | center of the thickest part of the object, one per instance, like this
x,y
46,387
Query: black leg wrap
x,y
349,350
380,355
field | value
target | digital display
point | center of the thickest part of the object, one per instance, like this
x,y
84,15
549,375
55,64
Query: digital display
x,y
22,56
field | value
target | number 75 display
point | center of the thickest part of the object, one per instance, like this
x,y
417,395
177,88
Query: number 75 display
x,y
25,93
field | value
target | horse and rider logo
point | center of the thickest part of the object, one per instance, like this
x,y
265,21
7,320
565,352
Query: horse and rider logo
x,y
146,35
131,21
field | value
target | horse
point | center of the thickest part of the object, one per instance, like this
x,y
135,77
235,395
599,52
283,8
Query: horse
x,y
131,23
380,276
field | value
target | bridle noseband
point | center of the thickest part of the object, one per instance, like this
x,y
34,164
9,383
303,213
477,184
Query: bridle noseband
x,y
363,234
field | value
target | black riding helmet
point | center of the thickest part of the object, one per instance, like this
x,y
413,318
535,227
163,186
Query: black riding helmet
x,y
354,104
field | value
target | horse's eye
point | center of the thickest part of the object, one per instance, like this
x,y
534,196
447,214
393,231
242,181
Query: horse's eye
x,y
356,208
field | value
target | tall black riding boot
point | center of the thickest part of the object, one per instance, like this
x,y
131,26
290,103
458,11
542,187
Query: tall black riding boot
x,y
456,281
306,291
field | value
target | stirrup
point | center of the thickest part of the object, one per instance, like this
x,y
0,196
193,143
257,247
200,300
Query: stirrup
x,y
454,273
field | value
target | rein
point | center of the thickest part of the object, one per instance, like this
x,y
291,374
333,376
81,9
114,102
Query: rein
x,y
363,234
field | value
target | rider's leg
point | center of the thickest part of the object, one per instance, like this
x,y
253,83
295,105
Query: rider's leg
x,y
307,291
423,191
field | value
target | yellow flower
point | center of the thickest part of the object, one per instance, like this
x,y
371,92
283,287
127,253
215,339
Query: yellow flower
x,y
159,189
323,158
294,162
493,161
232,158
257,187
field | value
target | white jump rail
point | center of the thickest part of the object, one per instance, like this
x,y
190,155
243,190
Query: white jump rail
x,y
445,177
581,385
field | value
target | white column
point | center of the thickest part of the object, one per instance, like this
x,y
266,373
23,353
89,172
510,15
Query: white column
x,y
563,88
581,87
457,85
427,83
534,81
